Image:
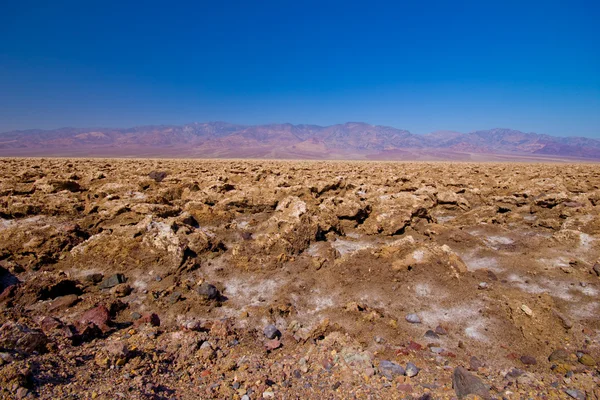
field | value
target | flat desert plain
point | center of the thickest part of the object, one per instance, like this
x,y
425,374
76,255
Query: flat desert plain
x,y
232,279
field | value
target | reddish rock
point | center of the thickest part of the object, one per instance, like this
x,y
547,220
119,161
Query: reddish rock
x,y
63,302
405,387
48,324
151,319
273,344
99,316
528,360
414,346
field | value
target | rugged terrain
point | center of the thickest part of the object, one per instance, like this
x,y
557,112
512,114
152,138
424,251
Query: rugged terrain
x,y
352,140
187,279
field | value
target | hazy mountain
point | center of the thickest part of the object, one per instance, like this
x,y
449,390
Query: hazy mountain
x,y
349,140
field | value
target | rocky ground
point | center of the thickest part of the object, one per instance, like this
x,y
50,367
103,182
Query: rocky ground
x,y
158,279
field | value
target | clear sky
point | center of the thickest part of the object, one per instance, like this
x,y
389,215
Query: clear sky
x,y
419,65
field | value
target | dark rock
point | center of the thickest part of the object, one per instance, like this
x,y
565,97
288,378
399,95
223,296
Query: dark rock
x,y
559,355
431,335
528,360
390,369
112,281
208,291
596,269
158,176
94,278
411,370
174,297
465,383
271,332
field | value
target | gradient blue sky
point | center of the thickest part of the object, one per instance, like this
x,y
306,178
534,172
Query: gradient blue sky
x,y
422,66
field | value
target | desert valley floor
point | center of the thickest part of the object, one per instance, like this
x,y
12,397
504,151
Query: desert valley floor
x,y
188,279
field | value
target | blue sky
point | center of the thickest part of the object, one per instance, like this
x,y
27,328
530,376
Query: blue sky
x,y
422,66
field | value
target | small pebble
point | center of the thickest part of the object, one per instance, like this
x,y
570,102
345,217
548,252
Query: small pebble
x,y
271,332
526,310
413,318
411,370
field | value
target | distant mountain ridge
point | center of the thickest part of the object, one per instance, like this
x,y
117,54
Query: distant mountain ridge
x,y
350,140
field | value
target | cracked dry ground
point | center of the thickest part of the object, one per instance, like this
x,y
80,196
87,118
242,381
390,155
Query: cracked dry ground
x,y
184,279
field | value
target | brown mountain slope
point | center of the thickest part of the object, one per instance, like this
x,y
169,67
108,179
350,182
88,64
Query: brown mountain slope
x,y
350,140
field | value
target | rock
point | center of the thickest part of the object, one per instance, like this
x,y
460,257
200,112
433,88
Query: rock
x,y
135,316
48,324
122,290
19,337
559,355
99,316
94,278
431,335
150,319
528,360
112,281
576,394
565,322
117,349
465,383
174,297
411,370
483,286
526,310
208,291
273,344
413,318
596,269
475,364
158,176
271,332
63,302
22,393
440,330
390,369
587,360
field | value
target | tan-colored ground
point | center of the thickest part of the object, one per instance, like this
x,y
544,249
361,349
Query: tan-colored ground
x,y
498,261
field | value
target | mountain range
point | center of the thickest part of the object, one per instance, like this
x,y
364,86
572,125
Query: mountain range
x,y
352,140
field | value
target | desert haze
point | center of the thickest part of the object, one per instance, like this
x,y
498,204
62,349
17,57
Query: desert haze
x,y
287,141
